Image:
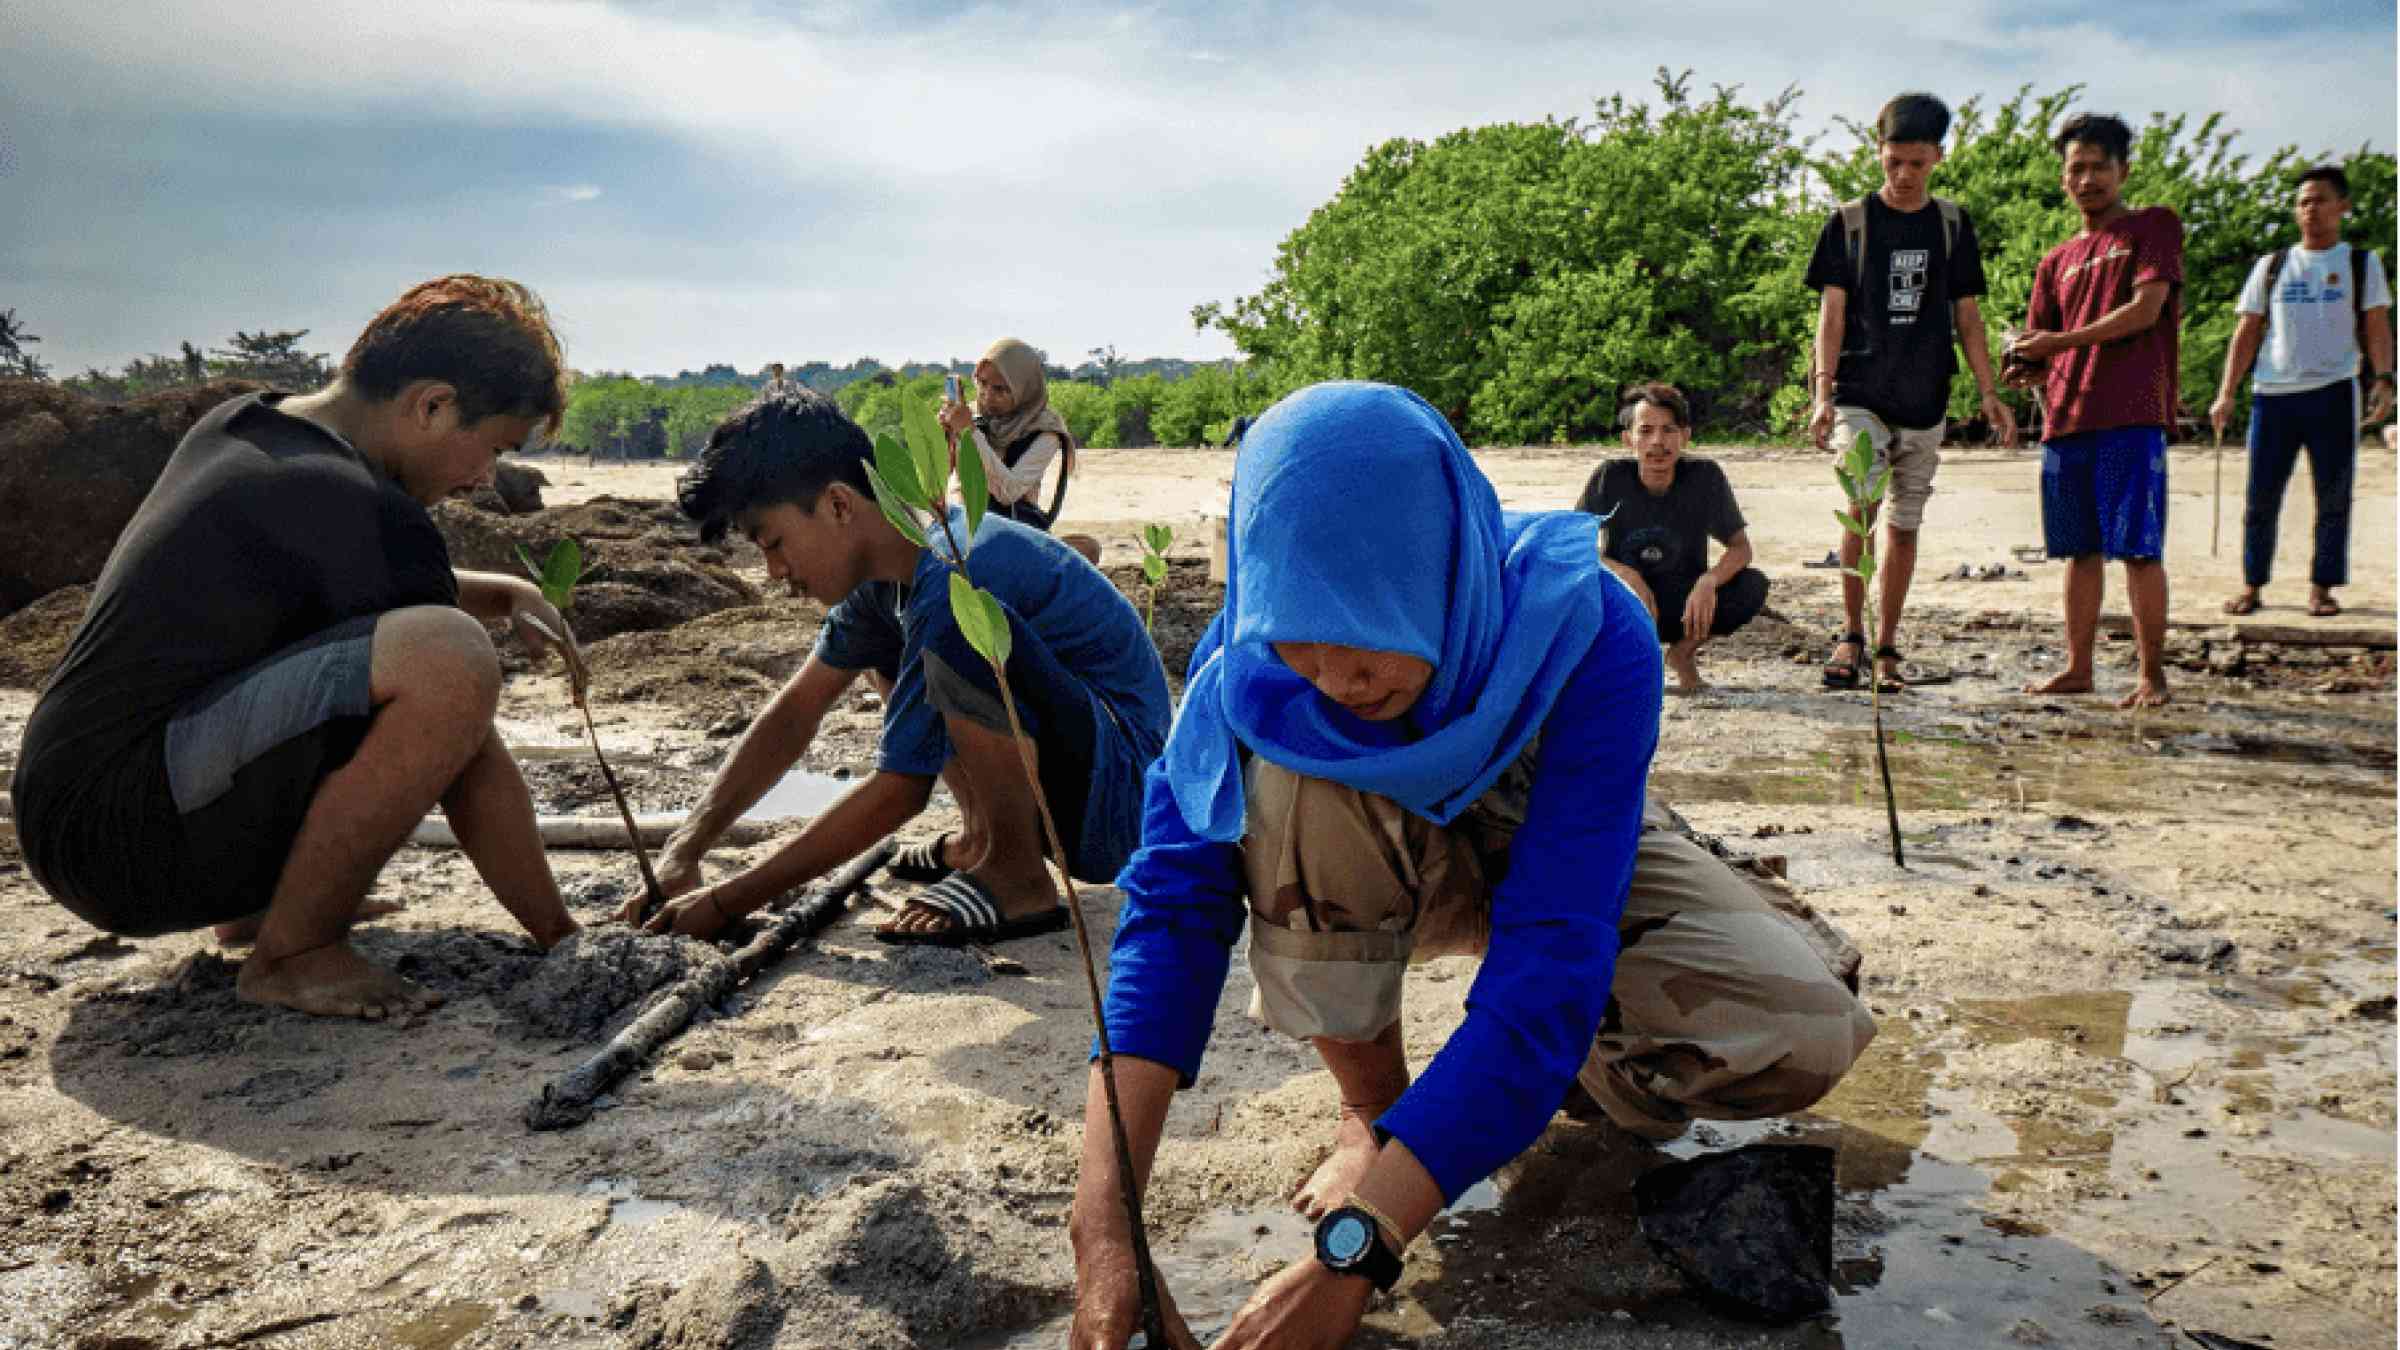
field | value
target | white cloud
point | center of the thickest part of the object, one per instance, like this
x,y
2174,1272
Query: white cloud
x,y
913,186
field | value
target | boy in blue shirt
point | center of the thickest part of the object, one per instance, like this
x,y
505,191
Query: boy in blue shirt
x,y
789,471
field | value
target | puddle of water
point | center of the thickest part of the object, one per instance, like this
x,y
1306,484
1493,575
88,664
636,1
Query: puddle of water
x,y
1952,774
443,1326
627,1207
801,793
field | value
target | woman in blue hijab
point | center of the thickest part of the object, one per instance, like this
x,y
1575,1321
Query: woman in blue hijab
x,y
1421,725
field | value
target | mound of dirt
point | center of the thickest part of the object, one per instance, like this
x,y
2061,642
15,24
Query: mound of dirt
x,y
1187,604
516,490
721,664
73,470
587,980
644,569
34,639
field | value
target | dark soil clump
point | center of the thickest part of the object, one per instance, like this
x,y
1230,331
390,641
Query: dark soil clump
x,y
644,568
590,979
34,639
1187,604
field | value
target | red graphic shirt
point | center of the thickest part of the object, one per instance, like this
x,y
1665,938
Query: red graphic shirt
x,y
2129,382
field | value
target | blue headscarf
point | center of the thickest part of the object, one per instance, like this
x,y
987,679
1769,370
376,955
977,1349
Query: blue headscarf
x,y
1359,519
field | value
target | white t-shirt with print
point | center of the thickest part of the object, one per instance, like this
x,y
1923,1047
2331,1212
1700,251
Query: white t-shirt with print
x,y
2312,332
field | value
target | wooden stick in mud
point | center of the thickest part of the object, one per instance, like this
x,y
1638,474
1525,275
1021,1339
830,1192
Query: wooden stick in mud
x,y
567,1102
604,832
2216,513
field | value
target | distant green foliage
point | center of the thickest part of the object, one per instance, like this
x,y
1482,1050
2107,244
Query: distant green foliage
x,y
15,361
269,357
1518,275
620,415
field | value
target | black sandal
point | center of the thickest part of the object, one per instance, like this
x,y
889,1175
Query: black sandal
x,y
1894,685
1844,674
974,914
920,862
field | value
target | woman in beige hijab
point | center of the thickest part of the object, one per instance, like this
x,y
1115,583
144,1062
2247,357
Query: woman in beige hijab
x,y
1016,431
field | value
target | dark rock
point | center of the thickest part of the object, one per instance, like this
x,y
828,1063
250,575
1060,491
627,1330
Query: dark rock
x,y
73,470
2378,1009
34,639
1753,1228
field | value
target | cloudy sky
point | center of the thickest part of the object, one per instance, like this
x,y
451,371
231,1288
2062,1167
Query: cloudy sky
x,y
697,181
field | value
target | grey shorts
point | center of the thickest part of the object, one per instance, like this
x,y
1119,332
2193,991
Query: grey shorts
x,y
1913,454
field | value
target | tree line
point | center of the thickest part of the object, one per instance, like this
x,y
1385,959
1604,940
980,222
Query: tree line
x,y
1519,275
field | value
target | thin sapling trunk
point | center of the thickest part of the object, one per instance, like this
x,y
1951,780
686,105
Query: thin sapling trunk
x,y
908,478
1864,489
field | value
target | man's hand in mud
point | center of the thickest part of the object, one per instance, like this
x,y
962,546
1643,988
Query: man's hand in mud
x,y
697,915
1303,1307
678,873
1108,1303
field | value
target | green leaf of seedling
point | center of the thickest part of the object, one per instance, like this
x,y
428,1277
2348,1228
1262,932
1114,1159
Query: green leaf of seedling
x,y
1862,456
974,486
1154,569
1866,567
1849,484
1850,523
526,560
981,619
1879,483
899,473
1158,537
903,517
560,574
927,448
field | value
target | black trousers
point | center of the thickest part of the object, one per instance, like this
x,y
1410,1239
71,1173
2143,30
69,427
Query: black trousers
x,y
1738,602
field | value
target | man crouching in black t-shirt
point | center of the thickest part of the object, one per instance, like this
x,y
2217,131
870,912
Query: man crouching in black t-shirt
x,y
280,673
1661,510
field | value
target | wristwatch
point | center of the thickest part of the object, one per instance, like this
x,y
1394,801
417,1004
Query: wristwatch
x,y
1350,1242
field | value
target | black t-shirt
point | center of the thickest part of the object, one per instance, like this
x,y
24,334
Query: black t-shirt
x,y
1665,538
1896,341
262,530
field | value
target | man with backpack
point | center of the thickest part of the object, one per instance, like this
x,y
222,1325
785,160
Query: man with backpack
x,y
2307,315
1900,274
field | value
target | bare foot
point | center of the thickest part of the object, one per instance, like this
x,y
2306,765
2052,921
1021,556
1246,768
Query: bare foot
x,y
243,932
1354,1150
2064,682
2150,693
1687,672
331,981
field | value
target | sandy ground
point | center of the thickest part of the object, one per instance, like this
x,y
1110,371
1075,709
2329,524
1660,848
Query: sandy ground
x,y
2135,1074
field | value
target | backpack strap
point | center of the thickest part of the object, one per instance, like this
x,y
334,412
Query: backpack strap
x,y
1950,218
1854,243
2266,313
2358,299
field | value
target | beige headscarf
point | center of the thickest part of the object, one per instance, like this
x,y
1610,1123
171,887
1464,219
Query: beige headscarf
x,y
1021,366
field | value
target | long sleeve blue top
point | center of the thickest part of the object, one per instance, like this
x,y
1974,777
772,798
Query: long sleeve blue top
x,y
1535,1005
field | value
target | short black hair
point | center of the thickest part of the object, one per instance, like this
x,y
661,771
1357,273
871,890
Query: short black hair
x,y
1657,393
2326,173
1913,117
786,447
2104,130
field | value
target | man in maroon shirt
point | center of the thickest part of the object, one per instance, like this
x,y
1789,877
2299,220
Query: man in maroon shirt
x,y
2101,344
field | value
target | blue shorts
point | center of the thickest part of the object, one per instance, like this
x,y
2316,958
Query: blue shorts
x,y
2105,492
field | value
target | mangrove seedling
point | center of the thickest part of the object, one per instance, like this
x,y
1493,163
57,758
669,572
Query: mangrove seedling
x,y
557,577
1155,541
908,477
1863,486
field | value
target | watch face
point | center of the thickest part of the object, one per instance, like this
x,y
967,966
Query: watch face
x,y
1346,1239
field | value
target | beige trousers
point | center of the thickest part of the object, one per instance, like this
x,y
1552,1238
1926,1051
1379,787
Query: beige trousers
x,y
1732,999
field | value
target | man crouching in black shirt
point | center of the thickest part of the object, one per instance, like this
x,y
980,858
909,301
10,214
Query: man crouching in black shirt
x,y
1661,508
280,673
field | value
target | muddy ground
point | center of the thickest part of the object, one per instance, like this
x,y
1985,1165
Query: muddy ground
x,y
2135,1073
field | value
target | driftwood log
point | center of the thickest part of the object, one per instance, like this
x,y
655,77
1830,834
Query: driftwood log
x,y
605,832
2278,634
567,1102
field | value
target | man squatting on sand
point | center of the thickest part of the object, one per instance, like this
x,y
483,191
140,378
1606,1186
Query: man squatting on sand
x,y
2102,329
1901,275
790,472
280,673
1398,744
1658,510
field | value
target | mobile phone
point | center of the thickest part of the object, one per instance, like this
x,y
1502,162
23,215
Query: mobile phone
x,y
950,387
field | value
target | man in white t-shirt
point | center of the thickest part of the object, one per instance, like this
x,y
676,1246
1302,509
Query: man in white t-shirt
x,y
2307,315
